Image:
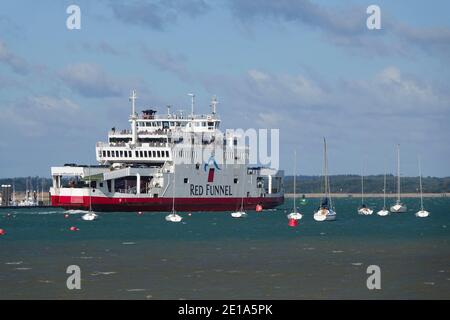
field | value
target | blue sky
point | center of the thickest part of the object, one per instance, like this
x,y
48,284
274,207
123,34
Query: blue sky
x,y
310,68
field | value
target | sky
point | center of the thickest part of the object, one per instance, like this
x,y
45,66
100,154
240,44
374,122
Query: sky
x,y
308,68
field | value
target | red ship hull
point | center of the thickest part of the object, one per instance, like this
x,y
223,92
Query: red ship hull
x,y
164,204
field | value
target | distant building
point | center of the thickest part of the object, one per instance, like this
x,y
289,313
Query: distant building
x,y
6,194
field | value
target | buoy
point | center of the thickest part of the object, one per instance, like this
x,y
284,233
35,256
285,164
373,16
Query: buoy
x,y
2,232
140,213
73,228
189,214
259,208
66,215
8,215
293,222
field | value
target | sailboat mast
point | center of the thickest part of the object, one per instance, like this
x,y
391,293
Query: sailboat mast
x,y
398,173
420,185
325,170
295,178
362,185
89,190
384,189
173,189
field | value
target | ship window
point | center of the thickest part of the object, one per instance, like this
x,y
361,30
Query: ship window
x,y
141,154
236,180
186,180
129,154
108,153
167,154
101,184
155,195
154,154
203,124
126,154
145,154
104,153
121,153
158,153
136,154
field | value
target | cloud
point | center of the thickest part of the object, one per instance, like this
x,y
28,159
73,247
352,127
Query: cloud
x,y
346,27
90,80
157,14
166,61
15,62
35,116
102,47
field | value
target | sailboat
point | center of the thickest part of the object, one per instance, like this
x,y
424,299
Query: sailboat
x,y
240,213
325,211
383,212
422,213
90,215
295,214
173,216
398,207
364,210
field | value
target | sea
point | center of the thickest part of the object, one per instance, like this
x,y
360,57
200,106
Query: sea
x,y
214,256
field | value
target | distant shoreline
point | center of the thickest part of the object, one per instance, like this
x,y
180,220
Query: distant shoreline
x,y
369,195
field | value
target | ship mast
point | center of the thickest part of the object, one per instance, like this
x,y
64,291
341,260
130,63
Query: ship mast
x,y
192,103
133,117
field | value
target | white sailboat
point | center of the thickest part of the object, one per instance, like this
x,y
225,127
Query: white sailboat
x,y
422,213
363,210
295,215
399,207
90,215
173,216
325,211
241,212
383,212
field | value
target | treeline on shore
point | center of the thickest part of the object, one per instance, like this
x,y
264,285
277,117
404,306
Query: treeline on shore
x,y
372,184
305,184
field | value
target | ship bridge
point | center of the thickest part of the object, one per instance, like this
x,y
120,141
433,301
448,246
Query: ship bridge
x,y
152,138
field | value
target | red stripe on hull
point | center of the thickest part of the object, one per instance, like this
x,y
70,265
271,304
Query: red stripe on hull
x,y
164,204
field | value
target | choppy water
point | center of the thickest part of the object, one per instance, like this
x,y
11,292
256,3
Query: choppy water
x,y
211,255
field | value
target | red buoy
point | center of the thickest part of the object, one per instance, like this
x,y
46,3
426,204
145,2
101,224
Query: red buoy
x,y
259,208
72,228
293,223
2,232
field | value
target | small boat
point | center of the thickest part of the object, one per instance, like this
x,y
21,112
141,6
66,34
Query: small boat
x,y
295,215
422,213
89,216
239,214
383,212
325,211
173,216
398,207
363,210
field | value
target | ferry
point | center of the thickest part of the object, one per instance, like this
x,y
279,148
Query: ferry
x,y
209,170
